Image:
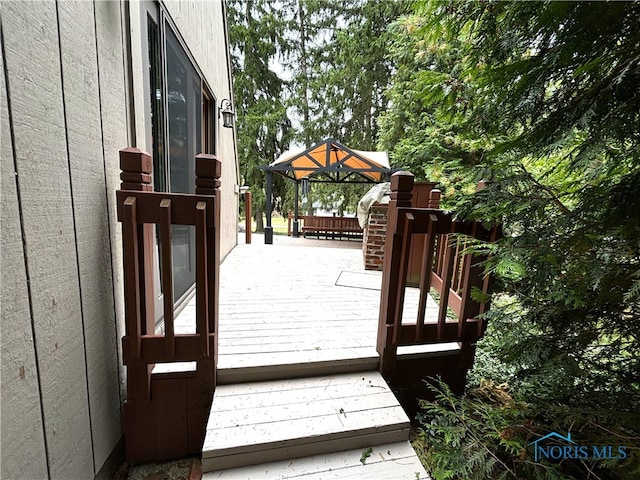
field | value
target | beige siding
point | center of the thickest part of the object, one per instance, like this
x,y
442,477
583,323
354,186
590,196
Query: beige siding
x,y
33,68
113,113
138,96
21,418
83,122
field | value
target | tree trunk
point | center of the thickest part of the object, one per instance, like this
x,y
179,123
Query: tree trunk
x,y
305,75
259,220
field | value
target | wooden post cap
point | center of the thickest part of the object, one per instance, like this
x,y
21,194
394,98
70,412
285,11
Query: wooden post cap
x,y
208,166
134,160
136,166
434,198
402,181
208,172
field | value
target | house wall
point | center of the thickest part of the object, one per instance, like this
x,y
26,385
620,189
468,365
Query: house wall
x,y
21,414
66,110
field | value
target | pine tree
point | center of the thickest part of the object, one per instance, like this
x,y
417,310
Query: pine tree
x,y
257,35
340,75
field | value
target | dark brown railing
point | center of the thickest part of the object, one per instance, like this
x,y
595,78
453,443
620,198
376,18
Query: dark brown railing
x,y
165,416
447,267
334,226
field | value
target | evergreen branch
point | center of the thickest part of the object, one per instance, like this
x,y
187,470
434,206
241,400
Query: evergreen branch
x,y
481,443
547,189
591,472
615,434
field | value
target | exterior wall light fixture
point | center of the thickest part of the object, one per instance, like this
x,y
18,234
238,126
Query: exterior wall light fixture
x,y
227,113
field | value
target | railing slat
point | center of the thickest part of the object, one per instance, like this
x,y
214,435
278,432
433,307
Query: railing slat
x,y
440,256
425,274
167,275
131,277
400,285
455,277
471,277
202,290
447,265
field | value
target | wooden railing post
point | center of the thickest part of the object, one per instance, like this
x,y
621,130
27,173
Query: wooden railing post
x,y
401,192
247,217
138,242
208,172
136,166
434,198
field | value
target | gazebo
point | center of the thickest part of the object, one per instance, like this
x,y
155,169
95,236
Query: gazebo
x,y
325,162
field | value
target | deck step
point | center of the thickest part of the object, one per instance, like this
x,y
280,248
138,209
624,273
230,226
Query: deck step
x,y
253,367
395,461
262,422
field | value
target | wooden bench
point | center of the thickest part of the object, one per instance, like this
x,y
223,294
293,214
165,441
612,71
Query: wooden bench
x,y
330,227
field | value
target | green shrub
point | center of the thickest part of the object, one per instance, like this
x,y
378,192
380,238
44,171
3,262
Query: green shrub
x,y
487,434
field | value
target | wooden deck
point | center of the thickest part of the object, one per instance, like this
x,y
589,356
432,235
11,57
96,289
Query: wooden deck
x,y
299,395
293,306
299,307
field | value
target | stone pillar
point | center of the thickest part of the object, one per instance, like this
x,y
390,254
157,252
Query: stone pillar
x,y
374,237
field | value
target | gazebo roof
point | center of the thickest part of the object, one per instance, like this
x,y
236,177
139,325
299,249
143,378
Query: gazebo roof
x,y
330,161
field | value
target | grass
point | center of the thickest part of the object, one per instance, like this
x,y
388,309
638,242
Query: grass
x,y
169,470
278,223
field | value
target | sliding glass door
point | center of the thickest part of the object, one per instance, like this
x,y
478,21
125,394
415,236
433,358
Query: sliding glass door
x,y
177,129
184,117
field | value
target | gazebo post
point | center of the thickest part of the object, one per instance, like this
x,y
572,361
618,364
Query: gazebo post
x,y
268,230
295,211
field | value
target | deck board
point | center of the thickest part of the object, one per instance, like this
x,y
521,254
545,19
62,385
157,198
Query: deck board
x,y
391,461
288,392
315,428
267,414
292,418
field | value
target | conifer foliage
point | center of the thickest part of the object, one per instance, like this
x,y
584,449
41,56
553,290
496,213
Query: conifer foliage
x,y
305,70
543,100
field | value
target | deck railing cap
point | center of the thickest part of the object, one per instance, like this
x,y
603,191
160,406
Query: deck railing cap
x,y
208,166
132,159
402,181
